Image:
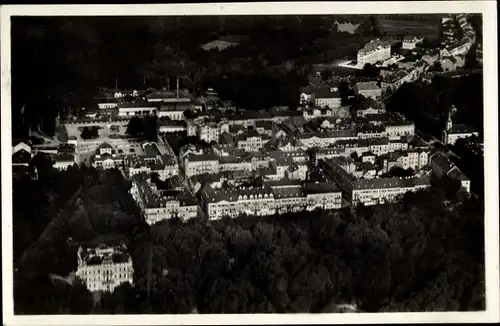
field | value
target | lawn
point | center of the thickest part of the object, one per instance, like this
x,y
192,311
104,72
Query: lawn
x,y
407,27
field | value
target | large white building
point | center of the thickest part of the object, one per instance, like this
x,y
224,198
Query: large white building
x,y
158,205
374,51
139,108
272,198
104,268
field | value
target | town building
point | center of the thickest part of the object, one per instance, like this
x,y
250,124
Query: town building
x,y
201,164
252,141
127,109
107,157
374,190
327,98
411,42
454,131
152,161
374,51
431,57
369,90
273,197
442,166
21,158
394,81
158,205
457,48
103,268
67,155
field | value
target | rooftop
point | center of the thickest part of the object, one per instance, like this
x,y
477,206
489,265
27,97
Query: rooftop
x,y
102,254
367,86
373,45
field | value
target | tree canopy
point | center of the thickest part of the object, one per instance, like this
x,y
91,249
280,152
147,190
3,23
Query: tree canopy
x,y
145,127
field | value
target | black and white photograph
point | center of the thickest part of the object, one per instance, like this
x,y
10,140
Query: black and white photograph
x,y
192,161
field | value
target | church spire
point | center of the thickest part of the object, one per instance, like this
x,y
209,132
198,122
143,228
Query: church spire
x,y
449,123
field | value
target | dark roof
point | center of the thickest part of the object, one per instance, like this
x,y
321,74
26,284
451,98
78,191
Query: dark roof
x,y
65,158
320,187
21,156
461,129
233,38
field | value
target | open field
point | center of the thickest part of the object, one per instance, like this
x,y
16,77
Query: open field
x,y
428,29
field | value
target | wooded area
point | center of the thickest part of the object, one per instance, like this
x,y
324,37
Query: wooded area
x,y
417,255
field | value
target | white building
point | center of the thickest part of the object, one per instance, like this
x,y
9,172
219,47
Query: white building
x,y
201,164
152,161
209,132
107,157
411,42
274,197
373,52
453,132
132,109
252,141
104,268
327,98
458,48
67,155
161,205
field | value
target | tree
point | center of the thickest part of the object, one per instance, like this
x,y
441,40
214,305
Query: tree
x,y
89,132
326,74
437,66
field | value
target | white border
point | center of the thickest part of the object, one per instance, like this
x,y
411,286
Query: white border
x,y
487,8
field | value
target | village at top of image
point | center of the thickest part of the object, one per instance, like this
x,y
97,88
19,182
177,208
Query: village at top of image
x,y
256,164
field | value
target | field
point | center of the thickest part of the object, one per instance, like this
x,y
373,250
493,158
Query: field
x,y
391,27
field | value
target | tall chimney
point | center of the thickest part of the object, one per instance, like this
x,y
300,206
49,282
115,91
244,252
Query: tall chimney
x,y
177,86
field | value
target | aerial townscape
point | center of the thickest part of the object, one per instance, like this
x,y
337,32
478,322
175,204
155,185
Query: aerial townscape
x,y
248,165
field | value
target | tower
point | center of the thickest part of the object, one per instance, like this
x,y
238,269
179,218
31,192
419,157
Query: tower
x,y
449,122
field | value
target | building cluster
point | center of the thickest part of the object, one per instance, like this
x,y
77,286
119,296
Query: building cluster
x,y
396,70
330,153
459,38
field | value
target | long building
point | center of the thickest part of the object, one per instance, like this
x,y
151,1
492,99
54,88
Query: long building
x,y
374,51
372,191
271,198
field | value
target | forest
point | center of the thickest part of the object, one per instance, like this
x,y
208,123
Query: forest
x,y
417,255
